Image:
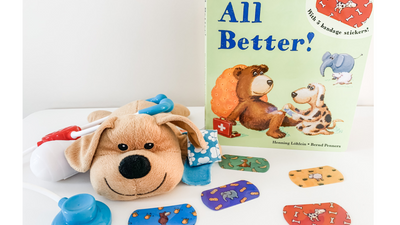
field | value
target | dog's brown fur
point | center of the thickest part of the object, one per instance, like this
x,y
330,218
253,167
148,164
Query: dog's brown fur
x,y
100,151
254,113
315,120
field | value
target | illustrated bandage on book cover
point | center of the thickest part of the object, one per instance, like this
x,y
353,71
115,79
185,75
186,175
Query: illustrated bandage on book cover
x,y
285,74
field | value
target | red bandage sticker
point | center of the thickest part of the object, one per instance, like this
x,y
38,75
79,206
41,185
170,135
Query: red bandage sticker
x,y
328,213
347,19
354,13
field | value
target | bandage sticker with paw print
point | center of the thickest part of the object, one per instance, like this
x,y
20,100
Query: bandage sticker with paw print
x,y
244,163
328,213
229,195
317,176
199,156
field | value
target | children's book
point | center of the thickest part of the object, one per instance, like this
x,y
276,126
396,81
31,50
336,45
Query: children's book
x,y
285,74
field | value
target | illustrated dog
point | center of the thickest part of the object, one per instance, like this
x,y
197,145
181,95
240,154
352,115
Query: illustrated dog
x,y
135,156
315,120
342,5
315,214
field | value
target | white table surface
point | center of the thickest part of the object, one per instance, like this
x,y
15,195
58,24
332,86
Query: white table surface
x,y
355,194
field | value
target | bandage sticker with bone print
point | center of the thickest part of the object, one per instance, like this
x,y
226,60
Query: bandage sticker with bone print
x,y
317,176
328,213
354,13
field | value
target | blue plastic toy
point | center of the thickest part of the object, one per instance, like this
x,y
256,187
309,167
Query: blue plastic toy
x,y
82,209
164,105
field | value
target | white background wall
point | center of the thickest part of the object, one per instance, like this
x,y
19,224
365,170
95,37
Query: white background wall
x,y
103,53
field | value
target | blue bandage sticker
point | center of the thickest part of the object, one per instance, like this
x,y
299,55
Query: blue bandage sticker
x,y
199,156
289,112
169,215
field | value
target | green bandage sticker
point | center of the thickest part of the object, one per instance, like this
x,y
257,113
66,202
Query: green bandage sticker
x,y
244,163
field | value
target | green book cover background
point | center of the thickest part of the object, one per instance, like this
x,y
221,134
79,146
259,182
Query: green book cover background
x,y
305,36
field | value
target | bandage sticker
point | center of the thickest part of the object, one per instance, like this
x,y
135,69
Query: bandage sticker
x,y
199,156
244,163
171,215
229,195
318,176
319,214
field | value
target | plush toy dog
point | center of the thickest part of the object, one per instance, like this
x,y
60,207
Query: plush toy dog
x,y
135,156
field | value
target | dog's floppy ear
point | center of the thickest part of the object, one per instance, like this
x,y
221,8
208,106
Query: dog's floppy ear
x,y
194,134
80,154
321,95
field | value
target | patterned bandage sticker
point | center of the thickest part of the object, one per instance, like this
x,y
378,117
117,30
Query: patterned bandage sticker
x,y
318,214
318,176
199,156
354,13
171,215
229,195
244,163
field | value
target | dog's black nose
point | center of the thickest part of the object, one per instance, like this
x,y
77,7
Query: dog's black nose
x,y
294,94
270,82
134,167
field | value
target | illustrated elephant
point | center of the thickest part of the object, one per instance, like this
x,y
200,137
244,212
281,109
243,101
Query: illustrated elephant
x,y
338,62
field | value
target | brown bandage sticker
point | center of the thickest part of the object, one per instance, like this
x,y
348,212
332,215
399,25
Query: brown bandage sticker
x,y
243,189
254,193
213,199
243,200
234,184
218,207
248,182
223,186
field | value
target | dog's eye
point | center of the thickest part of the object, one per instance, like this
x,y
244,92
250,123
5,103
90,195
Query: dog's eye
x,y
148,145
261,73
255,73
123,147
311,88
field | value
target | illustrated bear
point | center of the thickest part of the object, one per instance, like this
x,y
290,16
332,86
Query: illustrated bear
x,y
253,113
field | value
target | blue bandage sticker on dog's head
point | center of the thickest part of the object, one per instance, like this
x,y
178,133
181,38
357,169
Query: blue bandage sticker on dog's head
x,y
197,168
199,156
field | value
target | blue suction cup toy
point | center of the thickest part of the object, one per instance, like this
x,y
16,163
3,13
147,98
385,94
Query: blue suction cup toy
x,y
82,209
165,105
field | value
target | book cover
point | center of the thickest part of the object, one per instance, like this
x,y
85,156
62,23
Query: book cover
x,y
285,74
